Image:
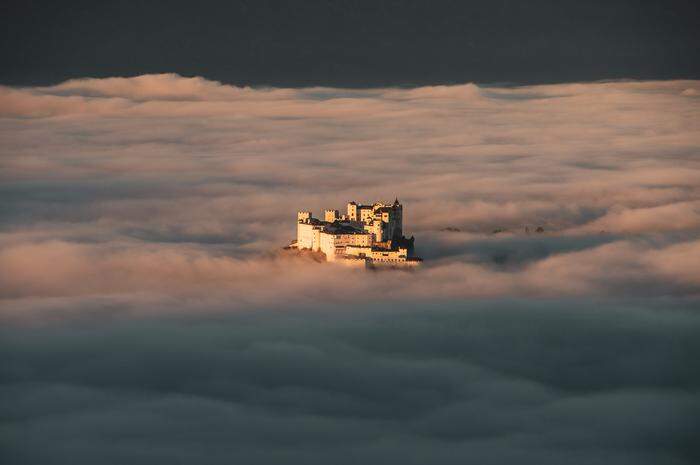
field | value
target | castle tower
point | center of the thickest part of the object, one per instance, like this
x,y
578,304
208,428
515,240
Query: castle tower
x,y
331,215
397,209
352,211
303,217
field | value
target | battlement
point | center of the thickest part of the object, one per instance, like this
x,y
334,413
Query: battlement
x,y
331,215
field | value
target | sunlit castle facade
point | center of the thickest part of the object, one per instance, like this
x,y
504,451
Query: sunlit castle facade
x,y
370,235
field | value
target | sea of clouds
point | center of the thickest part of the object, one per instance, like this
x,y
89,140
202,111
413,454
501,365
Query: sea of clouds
x,y
148,316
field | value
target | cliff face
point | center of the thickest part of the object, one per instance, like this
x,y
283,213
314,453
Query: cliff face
x,y
303,254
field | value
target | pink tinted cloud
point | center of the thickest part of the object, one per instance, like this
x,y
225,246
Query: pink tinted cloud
x,y
167,184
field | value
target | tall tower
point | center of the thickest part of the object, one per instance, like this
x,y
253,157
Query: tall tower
x,y
352,211
397,209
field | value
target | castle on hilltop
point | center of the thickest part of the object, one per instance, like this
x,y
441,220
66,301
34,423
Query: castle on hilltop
x,y
370,235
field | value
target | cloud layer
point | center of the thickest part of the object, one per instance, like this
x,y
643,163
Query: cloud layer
x,y
496,382
163,183
152,319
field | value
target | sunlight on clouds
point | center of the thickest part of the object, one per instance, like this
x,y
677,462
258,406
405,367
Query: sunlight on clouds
x,y
170,184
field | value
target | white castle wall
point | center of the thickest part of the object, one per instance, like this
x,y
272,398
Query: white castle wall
x,y
330,243
307,236
327,245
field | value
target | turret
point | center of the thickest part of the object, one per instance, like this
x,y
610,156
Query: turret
x,y
331,215
303,217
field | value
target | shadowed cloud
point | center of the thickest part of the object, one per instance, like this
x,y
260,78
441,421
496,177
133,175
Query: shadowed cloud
x,y
539,381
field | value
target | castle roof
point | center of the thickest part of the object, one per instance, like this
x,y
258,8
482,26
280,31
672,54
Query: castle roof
x,y
341,228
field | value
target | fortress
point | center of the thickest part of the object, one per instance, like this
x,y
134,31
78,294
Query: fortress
x,y
369,235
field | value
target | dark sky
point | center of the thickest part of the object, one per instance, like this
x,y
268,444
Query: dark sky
x,y
350,42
